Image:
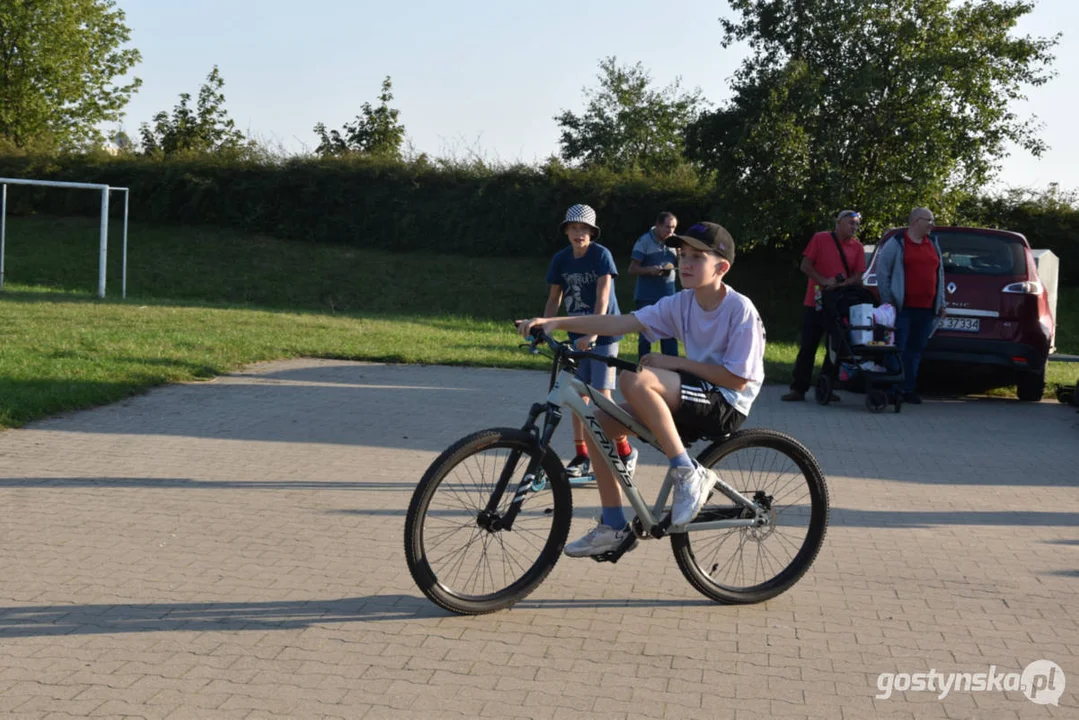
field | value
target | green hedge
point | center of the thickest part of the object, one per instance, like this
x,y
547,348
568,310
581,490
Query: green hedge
x,y
466,210
385,205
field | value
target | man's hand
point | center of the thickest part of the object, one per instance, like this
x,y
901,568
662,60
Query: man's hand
x,y
585,342
658,360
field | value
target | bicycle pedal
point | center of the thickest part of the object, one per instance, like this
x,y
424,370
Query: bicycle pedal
x,y
583,480
613,556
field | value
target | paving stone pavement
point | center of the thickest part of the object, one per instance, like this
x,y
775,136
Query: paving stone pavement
x,y
234,549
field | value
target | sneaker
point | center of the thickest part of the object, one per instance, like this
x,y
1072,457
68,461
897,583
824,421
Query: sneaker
x,y
793,396
579,466
599,540
631,462
912,397
691,490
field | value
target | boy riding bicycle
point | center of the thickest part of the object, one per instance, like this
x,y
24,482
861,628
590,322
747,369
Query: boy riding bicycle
x,y
709,392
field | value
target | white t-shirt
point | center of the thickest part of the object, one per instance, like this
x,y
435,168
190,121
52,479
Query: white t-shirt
x,y
732,335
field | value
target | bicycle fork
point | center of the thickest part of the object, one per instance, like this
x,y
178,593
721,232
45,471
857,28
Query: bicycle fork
x,y
489,519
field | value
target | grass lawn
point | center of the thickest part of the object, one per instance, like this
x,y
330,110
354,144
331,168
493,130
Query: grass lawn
x,y
202,302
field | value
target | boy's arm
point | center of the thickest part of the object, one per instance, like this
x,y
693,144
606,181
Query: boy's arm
x,y
603,294
554,299
603,299
715,374
584,324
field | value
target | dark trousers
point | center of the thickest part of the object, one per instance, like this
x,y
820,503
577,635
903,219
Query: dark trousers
x,y
668,346
813,329
912,329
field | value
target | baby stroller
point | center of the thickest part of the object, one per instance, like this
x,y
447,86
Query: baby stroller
x,y
863,354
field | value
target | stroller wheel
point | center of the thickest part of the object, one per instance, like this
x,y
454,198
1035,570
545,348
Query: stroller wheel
x,y
823,390
876,400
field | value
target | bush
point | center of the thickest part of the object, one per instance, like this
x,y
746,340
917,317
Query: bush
x,y
407,206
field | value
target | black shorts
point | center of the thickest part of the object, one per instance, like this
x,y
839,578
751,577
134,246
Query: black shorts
x,y
704,411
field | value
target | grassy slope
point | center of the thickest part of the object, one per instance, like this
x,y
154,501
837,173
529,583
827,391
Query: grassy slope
x,y
203,301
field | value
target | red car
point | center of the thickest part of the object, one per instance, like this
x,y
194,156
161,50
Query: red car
x,y
998,311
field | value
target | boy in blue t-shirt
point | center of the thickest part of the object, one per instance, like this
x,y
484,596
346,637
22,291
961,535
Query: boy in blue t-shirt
x,y
582,276
652,261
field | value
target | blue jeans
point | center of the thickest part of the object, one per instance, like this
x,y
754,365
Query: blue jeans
x,y
912,329
668,346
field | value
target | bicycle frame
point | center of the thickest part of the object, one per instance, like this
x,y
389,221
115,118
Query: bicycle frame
x,y
567,391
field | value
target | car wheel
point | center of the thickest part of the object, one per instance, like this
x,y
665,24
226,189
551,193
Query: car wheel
x,y
1031,386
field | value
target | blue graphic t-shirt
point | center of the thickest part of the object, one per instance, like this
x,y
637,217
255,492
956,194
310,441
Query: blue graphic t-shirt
x,y
578,278
650,252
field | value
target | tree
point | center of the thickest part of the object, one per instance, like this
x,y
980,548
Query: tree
x,y
58,62
881,105
122,141
374,132
206,129
628,125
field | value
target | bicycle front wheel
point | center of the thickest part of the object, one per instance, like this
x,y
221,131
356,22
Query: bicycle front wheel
x,y
460,555
753,564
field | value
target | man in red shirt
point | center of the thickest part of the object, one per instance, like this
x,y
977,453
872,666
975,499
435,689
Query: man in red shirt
x,y
826,269
910,275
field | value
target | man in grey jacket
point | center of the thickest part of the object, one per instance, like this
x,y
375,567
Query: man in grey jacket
x,y
910,276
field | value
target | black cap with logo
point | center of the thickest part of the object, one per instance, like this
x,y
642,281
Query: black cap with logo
x,y
706,236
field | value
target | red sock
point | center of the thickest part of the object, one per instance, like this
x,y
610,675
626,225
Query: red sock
x,y
624,448
582,448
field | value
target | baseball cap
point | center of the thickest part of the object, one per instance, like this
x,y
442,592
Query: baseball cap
x,y
707,236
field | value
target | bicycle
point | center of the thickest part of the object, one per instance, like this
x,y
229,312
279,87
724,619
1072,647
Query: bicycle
x,y
513,517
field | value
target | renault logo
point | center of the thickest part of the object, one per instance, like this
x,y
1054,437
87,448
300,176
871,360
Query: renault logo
x,y
951,288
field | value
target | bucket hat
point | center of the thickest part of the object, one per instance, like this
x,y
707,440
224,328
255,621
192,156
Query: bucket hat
x,y
581,214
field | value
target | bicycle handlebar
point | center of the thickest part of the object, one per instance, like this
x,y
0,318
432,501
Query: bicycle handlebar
x,y
565,350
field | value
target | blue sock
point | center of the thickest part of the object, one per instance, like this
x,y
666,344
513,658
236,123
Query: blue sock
x,y
614,517
681,460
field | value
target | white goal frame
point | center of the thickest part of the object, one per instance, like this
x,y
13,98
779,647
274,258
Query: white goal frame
x,y
104,248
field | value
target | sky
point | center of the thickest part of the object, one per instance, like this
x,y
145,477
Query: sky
x,y
486,77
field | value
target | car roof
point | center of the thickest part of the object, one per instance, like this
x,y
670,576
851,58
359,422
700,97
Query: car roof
x,y
962,228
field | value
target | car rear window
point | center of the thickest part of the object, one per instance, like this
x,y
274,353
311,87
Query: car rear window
x,y
967,253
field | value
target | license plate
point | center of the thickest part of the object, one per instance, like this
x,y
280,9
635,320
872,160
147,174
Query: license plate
x,y
961,324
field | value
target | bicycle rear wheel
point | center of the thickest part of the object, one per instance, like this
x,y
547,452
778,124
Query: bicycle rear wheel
x,y
458,555
750,565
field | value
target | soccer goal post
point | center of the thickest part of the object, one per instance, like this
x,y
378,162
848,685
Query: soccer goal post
x,y
103,251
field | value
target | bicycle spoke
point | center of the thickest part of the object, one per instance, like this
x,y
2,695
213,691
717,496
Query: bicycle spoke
x,y
469,558
750,560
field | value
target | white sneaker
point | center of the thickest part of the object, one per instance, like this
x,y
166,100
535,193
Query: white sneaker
x,y
579,466
692,487
600,539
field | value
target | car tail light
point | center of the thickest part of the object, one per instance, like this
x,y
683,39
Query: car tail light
x,y
1030,287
